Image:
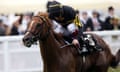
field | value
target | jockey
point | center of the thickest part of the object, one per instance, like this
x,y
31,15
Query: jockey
x,y
71,26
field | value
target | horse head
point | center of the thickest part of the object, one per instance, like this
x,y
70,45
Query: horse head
x,y
38,29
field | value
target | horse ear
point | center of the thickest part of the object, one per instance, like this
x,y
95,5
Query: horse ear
x,y
44,14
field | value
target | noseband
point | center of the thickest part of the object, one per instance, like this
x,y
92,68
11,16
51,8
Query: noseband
x,y
38,36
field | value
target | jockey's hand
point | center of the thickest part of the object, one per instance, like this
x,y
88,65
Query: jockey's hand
x,y
76,43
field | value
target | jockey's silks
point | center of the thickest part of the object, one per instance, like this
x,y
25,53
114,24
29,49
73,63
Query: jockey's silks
x,y
77,21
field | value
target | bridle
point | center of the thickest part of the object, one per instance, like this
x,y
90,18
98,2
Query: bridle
x,y
38,36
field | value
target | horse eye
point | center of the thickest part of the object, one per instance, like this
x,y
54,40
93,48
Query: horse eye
x,y
38,25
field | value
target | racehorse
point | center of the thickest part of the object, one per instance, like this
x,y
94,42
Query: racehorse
x,y
57,59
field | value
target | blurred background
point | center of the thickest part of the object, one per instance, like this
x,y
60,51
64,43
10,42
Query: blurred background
x,y
13,6
99,16
16,15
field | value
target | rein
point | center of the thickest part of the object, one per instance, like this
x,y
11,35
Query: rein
x,y
66,45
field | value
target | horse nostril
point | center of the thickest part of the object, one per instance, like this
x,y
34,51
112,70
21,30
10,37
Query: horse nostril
x,y
25,39
27,42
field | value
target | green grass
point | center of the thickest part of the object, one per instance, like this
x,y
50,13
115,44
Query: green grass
x,y
114,70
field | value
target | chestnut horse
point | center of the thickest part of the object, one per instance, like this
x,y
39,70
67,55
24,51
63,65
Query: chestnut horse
x,y
57,59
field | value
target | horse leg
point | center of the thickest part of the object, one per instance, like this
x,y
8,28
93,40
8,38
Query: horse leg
x,y
115,60
101,69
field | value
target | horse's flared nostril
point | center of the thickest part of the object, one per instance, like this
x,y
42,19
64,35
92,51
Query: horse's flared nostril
x,y
27,42
25,39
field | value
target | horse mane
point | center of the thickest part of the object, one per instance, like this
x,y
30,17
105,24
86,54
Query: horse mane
x,y
45,14
57,36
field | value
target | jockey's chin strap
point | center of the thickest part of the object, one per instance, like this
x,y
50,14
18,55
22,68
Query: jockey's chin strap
x,y
38,36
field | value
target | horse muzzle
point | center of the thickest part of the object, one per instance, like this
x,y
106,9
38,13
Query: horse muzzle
x,y
27,42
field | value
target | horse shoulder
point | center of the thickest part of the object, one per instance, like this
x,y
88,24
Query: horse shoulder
x,y
59,38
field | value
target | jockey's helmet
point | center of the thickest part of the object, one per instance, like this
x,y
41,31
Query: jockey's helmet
x,y
55,9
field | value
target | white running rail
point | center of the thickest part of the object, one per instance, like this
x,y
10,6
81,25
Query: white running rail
x,y
15,57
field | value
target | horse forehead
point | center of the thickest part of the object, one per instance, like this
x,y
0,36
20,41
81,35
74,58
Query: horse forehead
x,y
32,23
26,34
37,19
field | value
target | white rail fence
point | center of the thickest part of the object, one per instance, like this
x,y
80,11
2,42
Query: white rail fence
x,y
14,57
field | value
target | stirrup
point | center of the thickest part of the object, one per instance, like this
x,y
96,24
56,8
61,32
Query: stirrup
x,y
84,49
89,40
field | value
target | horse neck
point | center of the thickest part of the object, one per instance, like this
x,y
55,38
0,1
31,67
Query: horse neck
x,y
49,48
